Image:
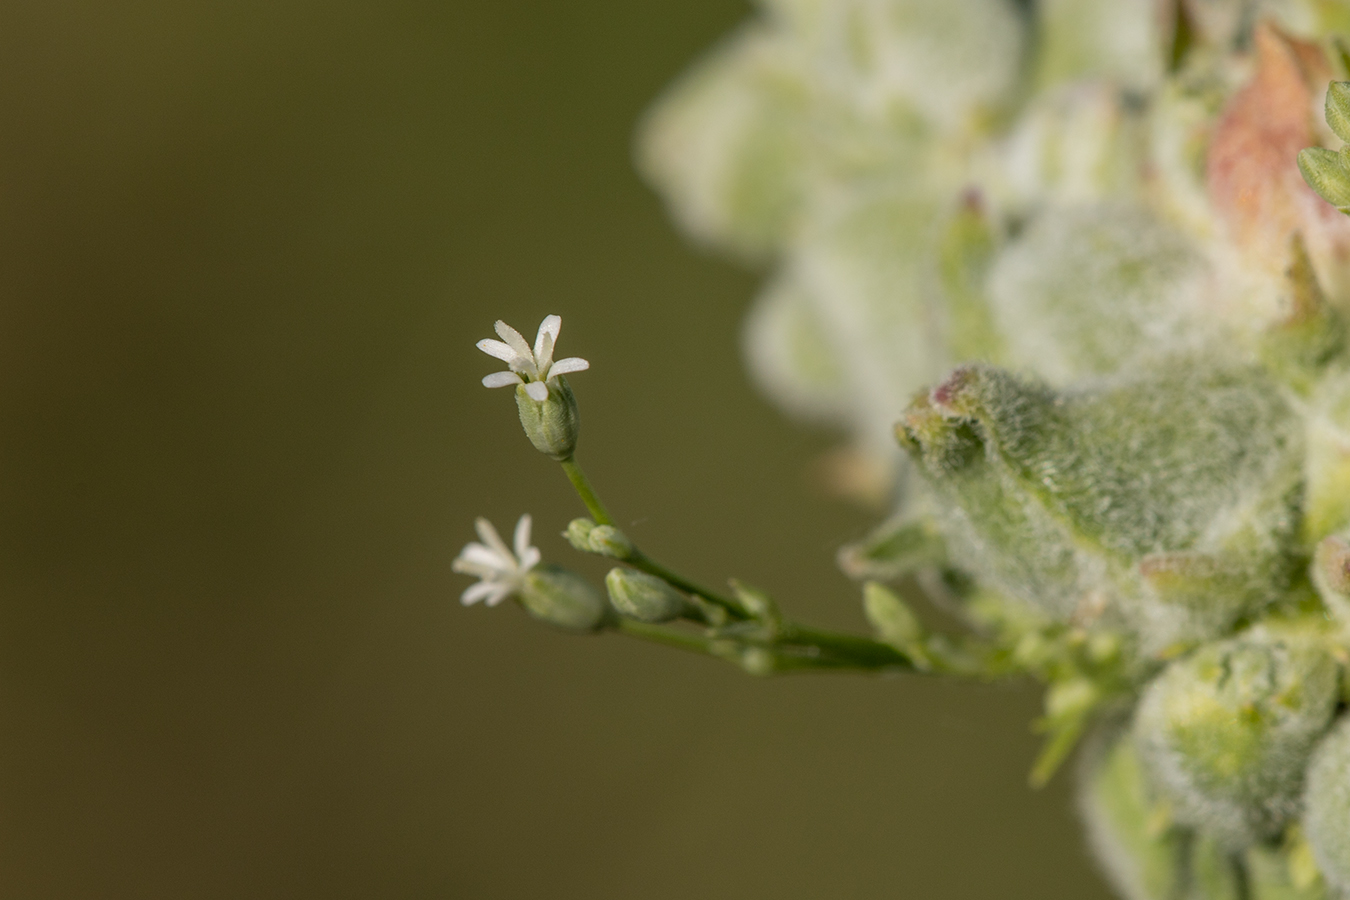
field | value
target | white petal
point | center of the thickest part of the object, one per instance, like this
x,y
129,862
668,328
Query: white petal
x,y
514,338
551,326
537,390
501,593
543,353
503,352
500,379
475,592
483,573
484,558
529,559
522,536
567,366
491,538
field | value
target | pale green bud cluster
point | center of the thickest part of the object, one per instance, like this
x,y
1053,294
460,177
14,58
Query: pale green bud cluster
x,y
1064,253
604,540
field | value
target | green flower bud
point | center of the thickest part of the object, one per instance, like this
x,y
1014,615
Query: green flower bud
x,y
563,598
604,540
1166,503
644,597
552,424
1326,817
1328,173
1226,732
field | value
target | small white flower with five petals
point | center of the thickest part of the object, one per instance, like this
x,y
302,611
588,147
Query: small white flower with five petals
x,y
530,367
501,572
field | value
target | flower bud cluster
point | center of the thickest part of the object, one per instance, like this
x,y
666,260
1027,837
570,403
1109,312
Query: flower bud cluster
x,y
1096,227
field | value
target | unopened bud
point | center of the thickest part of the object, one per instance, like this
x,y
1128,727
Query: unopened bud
x,y
603,540
1056,489
550,424
564,599
644,597
755,602
1227,731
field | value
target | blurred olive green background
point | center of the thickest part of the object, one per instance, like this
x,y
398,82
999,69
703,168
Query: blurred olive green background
x,y
245,250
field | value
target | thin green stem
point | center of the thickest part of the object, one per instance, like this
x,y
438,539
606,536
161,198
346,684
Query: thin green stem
x,y
582,485
856,652
774,658
671,637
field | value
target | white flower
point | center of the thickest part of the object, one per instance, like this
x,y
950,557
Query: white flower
x,y
500,571
533,368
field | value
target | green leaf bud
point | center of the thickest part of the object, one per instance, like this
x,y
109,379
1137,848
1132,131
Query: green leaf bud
x,y
1327,173
1226,732
551,425
1338,109
1326,817
603,540
564,599
644,597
